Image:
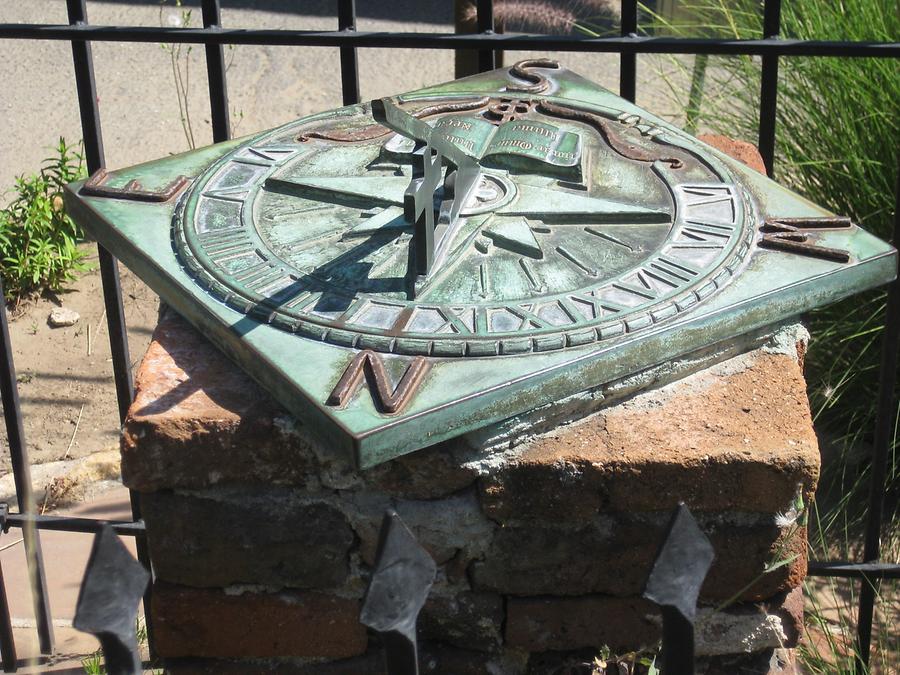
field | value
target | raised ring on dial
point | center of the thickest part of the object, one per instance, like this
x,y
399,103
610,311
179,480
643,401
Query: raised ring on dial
x,y
229,232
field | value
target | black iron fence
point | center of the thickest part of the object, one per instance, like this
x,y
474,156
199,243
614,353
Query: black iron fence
x,y
771,48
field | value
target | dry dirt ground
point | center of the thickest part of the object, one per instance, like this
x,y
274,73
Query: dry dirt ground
x,y
65,375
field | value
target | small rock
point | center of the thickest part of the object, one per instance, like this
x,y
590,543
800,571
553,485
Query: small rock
x,y
63,316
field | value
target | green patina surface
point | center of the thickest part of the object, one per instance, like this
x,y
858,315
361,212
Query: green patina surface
x,y
598,241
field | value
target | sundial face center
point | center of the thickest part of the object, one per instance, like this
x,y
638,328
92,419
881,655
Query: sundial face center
x,y
573,221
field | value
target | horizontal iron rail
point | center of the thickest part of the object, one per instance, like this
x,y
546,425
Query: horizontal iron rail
x,y
282,37
70,524
818,568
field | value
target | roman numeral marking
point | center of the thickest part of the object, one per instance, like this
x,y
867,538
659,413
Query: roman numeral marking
x,y
584,267
706,231
643,291
608,237
529,318
661,275
481,321
791,236
530,275
288,296
369,365
266,156
224,245
354,308
711,197
647,277
452,320
677,269
252,273
262,283
302,300
232,194
600,306
483,280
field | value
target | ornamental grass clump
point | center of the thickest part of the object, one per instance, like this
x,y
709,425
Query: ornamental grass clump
x,y
38,241
838,131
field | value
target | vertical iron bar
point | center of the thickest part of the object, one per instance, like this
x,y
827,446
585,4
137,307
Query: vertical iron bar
x,y
677,653
884,426
628,61
12,413
7,641
485,20
92,134
401,656
768,96
93,150
349,66
215,72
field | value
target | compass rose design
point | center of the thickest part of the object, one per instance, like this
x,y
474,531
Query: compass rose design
x,y
439,241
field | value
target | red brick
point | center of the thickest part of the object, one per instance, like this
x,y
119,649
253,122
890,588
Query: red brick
x,y
210,623
740,150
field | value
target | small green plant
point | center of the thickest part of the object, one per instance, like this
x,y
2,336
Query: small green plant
x,y
180,61
38,241
93,664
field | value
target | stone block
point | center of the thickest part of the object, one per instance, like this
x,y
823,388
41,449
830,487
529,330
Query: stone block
x,y
445,527
198,420
191,622
370,663
613,556
467,620
769,662
433,473
438,660
735,437
266,537
566,624
633,624
434,659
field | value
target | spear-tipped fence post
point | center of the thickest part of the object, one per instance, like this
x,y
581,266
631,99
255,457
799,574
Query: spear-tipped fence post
x,y
111,591
674,584
404,573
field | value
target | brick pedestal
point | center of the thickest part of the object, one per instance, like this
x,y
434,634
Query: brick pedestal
x,y
544,527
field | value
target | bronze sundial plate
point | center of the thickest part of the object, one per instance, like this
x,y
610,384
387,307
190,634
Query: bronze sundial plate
x,y
526,235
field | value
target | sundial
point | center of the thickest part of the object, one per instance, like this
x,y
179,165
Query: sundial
x,y
403,271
